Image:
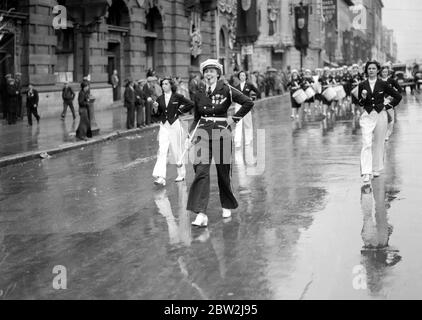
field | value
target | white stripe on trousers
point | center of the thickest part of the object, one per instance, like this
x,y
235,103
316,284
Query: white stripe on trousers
x,y
247,123
374,130
169,137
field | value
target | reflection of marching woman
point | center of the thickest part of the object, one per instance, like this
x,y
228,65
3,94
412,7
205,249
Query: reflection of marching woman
x,y
295,85
171,133
213,139
385,76
376,96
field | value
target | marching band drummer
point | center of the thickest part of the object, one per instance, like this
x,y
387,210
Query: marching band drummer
x,y
211,131
294,85
376,96
386,76
355,80
308,81
326,81
170,135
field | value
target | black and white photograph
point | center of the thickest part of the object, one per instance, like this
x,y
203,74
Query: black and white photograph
x,y
229,151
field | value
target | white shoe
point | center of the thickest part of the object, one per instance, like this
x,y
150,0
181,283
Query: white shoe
x,y
179,179
366,178
160,181
376,174
201,220
227,213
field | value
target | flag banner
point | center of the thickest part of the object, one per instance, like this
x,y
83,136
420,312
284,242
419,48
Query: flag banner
x,y
301,27
247,22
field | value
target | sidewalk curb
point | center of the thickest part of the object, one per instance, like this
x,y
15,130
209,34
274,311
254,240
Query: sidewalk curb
x,y
32,155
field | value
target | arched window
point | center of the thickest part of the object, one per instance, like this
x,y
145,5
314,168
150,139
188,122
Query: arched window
x,y
118,14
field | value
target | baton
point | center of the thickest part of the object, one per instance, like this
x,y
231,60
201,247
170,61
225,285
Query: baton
x,y
179,163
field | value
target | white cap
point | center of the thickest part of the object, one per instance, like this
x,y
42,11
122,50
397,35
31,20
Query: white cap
x,y
211,63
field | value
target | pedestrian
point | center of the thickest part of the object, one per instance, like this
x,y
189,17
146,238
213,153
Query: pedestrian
x,y
115,82
68,96
12,101
170,135
374,97
213,140
386,76
129,103
295,84
18,81
5,94
249,90
139,104
150,96
32,100
84,129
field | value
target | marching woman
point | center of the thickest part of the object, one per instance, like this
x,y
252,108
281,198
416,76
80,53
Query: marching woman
x,y
249,90
376,96
355,80
386,76
294,85
326,81
211,133
307,82
170,136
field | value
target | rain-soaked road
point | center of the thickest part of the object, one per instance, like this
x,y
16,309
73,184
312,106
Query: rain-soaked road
x,y
299,232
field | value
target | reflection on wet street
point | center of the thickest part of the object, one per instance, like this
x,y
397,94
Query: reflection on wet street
x,y
306,227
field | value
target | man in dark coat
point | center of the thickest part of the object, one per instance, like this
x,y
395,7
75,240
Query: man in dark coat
x,y
129,102
68,96
139,104
12,101
18,81
32,100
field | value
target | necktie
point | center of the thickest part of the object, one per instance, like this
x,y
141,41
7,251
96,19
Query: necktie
x,y
209,93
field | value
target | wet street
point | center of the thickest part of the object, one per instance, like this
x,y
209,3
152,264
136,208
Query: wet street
x,y
305,227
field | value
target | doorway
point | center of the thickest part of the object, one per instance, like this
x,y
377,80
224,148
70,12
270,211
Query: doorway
x,y
113,54
7,63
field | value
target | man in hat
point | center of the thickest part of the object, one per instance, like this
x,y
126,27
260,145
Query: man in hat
x,y
211,131
32,100
150,96
139,104
18,81
12,101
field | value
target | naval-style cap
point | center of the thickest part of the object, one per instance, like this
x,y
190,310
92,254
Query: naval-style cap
x,y
211,63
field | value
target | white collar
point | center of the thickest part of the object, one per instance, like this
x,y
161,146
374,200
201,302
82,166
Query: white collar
x,y
213,86
167,93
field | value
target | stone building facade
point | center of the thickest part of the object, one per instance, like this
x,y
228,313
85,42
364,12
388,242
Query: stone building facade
x,y
171,36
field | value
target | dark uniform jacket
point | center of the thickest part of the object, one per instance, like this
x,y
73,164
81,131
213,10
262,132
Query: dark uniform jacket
x,y
325,82
32,98
83,99
392,82
249,90
216,106
375,100
129,97
140,95
171,112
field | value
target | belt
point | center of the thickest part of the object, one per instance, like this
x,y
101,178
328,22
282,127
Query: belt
x,y
214,119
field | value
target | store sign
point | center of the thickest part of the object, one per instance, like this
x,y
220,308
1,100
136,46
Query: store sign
x,y
329,11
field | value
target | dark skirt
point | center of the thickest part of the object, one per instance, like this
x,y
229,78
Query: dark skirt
x,y
84,128
295,105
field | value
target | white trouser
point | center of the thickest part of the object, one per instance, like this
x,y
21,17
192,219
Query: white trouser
x,y
246,123
390,126
374,130
169,137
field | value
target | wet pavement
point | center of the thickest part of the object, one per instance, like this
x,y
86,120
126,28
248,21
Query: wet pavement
x,y
53,132
305,228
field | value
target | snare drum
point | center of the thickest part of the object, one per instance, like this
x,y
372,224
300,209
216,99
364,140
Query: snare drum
x,y
341,94
310,93
300,96
330,94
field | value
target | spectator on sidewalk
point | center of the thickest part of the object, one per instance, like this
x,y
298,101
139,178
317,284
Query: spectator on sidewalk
x,y
68,96
5,95
12,101
139,104
32,100
84,129
150,97
18,81
115,82
129,103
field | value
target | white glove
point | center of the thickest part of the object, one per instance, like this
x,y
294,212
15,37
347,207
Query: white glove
x,y
364,94
188,144
149,99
